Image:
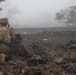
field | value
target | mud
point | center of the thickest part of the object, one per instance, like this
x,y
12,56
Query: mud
x,y
45,53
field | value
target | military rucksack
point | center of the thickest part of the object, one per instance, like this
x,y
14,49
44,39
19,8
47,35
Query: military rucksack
x,y
5,35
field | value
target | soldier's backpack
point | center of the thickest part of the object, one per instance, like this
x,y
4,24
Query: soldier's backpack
x,y
5,35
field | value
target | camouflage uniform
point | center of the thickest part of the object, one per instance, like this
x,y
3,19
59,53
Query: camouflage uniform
x,y
12,34
4,48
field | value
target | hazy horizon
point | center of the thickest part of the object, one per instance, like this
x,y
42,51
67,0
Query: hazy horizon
x,y
33,13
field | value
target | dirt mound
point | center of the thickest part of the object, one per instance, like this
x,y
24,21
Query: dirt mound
x,y
33,55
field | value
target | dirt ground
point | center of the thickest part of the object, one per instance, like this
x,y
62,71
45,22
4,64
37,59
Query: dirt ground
x,y
44,53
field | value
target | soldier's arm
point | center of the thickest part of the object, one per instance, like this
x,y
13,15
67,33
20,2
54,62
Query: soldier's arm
x,y
12,34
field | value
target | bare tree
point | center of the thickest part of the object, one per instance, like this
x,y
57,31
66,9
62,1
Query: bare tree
x,y
67,16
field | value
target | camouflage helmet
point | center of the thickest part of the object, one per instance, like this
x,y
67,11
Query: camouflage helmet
x,y
4,21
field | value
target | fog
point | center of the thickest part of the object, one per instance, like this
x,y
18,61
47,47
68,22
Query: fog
x,y
33,13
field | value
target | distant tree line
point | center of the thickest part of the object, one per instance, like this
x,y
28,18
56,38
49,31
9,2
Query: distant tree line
x,y
2,0
67,16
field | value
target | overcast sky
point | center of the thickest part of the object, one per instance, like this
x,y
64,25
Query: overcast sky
x,y
29,13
